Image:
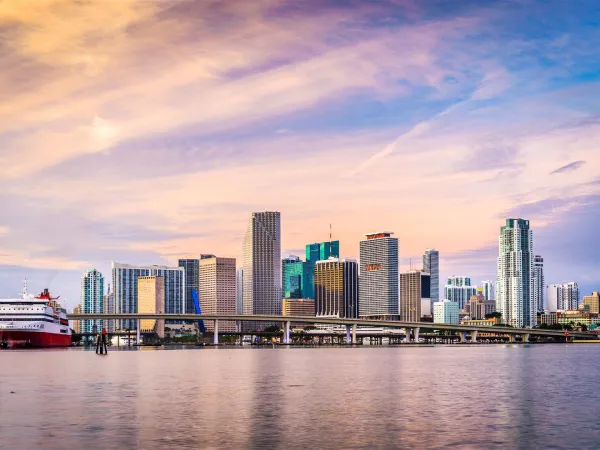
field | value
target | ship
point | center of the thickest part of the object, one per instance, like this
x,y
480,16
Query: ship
x,y
33,321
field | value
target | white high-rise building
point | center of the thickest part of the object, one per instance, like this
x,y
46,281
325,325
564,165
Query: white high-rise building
x,y
563,297
109,308
125,285
514,294
262,265
488,290
459,290
538,283
378,287
431,265
446,312
92,300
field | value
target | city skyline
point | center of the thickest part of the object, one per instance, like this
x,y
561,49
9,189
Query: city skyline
x,y
486,112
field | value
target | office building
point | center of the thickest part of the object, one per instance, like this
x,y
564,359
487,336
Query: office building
x,y
414,287
563,297
109,308
151,300
431,265
262,266
297,277
239,291
592,301
92,301
191,269
446,311
336,288
379,293
218,290
319,251
478,307
459,290
298,307
514,295
124,282
538,285
488,290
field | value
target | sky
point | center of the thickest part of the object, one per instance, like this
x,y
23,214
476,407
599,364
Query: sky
x,y
146,131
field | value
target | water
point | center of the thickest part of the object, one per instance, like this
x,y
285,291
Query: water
x,y
537,396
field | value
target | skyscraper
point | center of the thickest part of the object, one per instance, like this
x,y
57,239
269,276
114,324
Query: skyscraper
x,y
124,281
92,301
319,251
459,290
431,265
109,308
514,295
297,277
563,297
336,288
191,269
414,286
379,293
538,283
446,312
217,290
593,302
151,300
239,291
488,290
262,265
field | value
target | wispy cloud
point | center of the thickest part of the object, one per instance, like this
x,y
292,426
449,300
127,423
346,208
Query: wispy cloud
x,y
568,168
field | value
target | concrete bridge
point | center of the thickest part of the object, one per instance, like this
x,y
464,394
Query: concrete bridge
x,y
412,328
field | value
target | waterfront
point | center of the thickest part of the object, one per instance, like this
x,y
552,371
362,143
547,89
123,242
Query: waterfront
x,y
505,396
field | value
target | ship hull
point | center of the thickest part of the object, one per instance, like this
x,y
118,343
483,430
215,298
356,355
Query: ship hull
x,y
33,339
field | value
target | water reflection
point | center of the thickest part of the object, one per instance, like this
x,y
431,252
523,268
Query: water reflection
x,y
512,396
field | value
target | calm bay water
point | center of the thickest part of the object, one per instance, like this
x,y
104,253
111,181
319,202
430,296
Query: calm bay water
x,y
514,396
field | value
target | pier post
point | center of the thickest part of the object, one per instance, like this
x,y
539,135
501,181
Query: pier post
x,y
353,334
286,333
408,333
525,337
417,334
216,333
463,336
511,338
474,336
137,333
348,334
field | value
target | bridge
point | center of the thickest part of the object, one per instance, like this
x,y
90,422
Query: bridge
x,y
412,328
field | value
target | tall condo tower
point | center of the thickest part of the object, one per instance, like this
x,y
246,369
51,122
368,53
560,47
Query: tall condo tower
x,y
459,290
563,297
217,290
191,269
262,265
431,265
538,283
92,300
514,294
378,289
488,290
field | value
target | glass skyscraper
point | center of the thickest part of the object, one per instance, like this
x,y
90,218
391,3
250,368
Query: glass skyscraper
x,y
336,288
191,269
319,251
431,265
297,279
92,300
514,293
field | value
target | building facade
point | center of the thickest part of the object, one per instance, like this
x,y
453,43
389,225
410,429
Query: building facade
x,y
218,291
151,300
92,300
298,278
76,324
592,301
319,251
109,308
239,291
538,285
459,290
488,290
478,307
414,287
563,297
124,282
298,307
431,265
336,288
379,290
446,311
191,270
262,266
514,294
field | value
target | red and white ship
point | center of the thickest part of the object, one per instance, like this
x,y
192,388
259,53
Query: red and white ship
x,y
33,321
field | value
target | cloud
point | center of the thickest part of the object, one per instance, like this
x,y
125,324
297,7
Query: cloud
x,y
568,168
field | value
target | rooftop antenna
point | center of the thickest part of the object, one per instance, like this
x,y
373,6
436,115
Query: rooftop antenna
x,y
330,253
